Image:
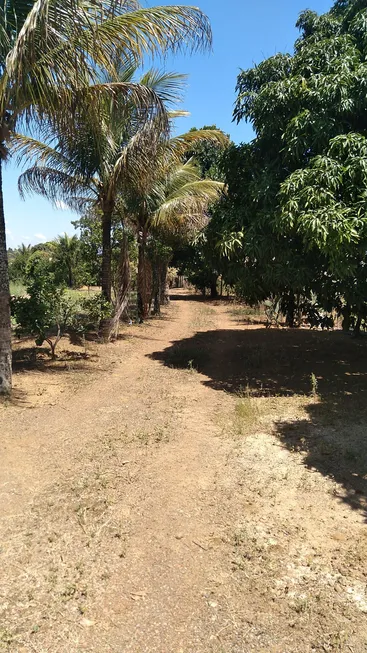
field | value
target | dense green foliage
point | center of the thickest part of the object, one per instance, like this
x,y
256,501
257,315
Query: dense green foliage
x,y
45,309
45,312
294,223
291,228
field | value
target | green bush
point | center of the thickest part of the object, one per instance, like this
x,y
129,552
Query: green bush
x,y
91,311
45,312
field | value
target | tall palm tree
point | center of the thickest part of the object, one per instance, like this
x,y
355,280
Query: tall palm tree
x,y
51,52
89,168
123,166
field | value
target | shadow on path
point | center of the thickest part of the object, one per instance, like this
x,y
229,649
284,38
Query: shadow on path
x,y
272,363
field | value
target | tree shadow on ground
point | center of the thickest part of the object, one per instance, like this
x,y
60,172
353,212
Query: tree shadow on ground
x,y
38,358
272,363
176,297
185,297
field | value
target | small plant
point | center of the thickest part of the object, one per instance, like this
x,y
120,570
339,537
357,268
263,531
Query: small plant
x,y
314,385
246,414
301,605
272,312
191,367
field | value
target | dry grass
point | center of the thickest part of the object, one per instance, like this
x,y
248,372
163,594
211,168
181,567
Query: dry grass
x,y
59,564
132,476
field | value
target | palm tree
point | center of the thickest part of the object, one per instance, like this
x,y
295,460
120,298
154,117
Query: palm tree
x,y
19,260
175,195
133,172
66,250
51,53
89,168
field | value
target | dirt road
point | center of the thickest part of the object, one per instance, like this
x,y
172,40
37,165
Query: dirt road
x,y
170,504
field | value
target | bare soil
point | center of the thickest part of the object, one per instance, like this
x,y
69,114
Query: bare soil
x,y
197,487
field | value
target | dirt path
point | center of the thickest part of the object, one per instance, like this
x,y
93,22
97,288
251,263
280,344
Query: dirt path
x,y
153,511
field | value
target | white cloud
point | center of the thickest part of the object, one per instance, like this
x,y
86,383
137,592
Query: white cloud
x,y
26,238
40,237
9,234
61,205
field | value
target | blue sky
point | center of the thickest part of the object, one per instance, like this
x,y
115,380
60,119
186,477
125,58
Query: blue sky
x,y
245,32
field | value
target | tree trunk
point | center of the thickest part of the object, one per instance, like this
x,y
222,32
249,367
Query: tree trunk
x,y
144,280
161,292
291,309
105,324
5,325
357,328
106,254
346,317
213,287
157,288
164,299
52,344
123,287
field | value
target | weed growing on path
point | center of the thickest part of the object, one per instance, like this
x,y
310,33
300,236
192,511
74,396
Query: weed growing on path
x,y
246,414
314,385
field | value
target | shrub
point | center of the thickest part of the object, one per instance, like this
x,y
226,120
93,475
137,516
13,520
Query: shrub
x,y
45,312
91,311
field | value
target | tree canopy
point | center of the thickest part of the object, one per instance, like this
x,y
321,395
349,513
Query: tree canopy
x,y
295,214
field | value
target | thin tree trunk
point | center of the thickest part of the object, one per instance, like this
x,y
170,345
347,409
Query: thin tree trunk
x,y
164,299
71,283
213,287
106,254
105,324
5,325
144,281
291,308
157,290
347,311
52,344
123,286
357,328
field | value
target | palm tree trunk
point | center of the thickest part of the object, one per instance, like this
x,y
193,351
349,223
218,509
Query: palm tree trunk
x,y
5,325
123,287
164,299
357,327
105,324
106,254
144,281
157,288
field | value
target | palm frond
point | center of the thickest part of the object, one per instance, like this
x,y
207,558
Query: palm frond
x,y
32,151
179,145
64,43
57,186
187,202
169,86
